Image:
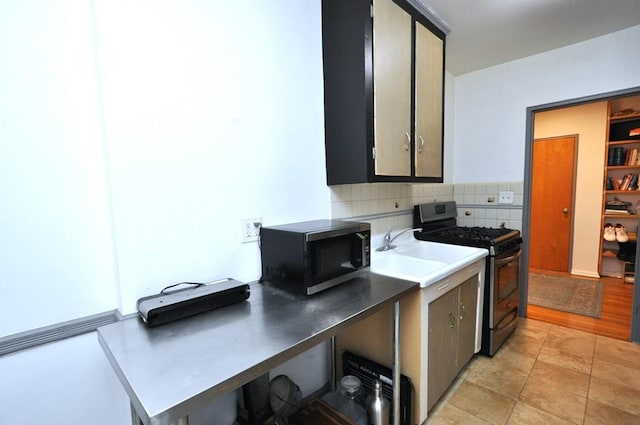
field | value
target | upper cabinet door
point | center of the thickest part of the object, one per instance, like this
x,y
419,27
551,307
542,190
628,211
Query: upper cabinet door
x,y
382,98
428,108
392,89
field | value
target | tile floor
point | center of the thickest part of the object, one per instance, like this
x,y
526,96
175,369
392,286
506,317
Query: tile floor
x,y
547,374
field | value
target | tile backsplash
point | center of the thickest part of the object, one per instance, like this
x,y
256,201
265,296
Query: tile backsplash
x,y
390,205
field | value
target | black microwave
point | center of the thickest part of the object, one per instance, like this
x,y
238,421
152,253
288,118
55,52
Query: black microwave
x,y
311,256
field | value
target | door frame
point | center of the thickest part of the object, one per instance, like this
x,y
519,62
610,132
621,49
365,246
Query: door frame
x,y
526,206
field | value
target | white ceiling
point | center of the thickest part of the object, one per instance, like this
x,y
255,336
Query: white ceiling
x,y
490,32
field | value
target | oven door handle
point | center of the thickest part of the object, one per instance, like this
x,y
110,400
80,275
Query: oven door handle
x,y
512,315
509,259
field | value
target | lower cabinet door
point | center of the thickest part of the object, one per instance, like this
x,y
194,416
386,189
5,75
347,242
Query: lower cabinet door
x,y
467,308
443,328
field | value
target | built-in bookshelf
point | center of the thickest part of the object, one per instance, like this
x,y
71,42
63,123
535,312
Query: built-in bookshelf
x,y
621,200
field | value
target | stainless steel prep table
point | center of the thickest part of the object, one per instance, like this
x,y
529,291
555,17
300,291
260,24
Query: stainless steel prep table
x,y
170,370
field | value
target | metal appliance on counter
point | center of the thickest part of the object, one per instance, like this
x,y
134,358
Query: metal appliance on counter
x,y
196,298
502,273
311,256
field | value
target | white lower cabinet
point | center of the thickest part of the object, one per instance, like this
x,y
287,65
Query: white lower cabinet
x,y
432,352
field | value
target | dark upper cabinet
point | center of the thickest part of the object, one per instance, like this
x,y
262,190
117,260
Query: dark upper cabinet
x,y
383,92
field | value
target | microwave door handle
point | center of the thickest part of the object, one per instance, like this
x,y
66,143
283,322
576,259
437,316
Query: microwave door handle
x,y
363,247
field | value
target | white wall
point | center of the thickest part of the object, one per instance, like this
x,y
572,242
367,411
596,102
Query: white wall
x,y
55,243
490,104
135,137
213,113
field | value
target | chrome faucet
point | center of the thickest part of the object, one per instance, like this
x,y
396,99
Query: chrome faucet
x,y
386,245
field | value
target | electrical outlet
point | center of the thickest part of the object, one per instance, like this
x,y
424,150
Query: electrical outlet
x,y
251,229
505,198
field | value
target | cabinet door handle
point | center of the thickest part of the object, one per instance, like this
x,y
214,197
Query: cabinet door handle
x,y
421,148
443,286
452,320
461,311
406,145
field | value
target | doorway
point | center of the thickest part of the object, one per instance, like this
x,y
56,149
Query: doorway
x,y
553,182
526,228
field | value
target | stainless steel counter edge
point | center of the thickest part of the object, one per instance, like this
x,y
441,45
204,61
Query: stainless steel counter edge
x,y
282,325
133,399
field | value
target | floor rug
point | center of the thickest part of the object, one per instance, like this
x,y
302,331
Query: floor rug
x,y
578,296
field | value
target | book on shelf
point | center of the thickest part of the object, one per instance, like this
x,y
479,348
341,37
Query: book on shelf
x,y
609,211
616,156
609,184
619,206
620,156
633,157
623,183
628,182
611,156
616,184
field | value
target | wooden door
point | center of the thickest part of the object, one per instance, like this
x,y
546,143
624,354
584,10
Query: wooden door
x,y
552,194
392,89
428,108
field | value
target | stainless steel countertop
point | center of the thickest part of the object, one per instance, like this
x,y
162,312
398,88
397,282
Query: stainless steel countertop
x,y
170,370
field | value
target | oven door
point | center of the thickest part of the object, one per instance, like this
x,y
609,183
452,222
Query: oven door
x,y
506,286
507,272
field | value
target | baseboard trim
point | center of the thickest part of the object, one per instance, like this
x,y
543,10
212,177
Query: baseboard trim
x,y
59,331
585,273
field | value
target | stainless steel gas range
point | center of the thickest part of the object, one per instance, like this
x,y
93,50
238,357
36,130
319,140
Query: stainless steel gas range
x,y
502,274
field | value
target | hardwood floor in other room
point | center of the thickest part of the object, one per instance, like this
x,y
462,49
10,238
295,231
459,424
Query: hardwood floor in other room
x,y
615,317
